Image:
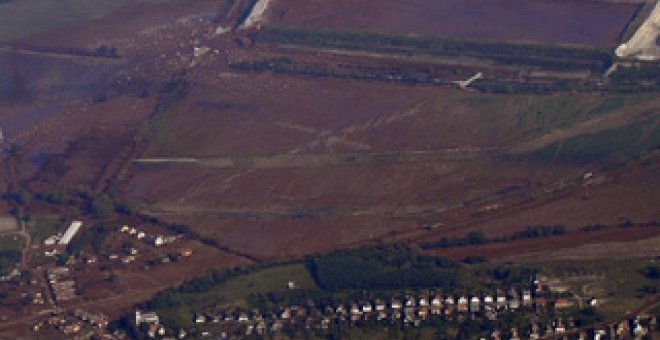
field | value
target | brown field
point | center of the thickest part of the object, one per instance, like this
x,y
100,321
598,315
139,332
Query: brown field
x,y
557,21
575,244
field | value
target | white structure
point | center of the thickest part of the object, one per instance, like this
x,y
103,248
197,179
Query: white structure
x,y
642,45
148,317
256,16
71,232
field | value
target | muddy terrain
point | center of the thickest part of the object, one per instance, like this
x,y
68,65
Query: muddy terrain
x,y
147,104
556,21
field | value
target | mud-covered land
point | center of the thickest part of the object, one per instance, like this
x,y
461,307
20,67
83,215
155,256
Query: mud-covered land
x,y
245,147
570,22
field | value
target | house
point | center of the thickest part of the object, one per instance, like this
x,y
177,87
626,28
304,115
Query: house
x,y
356,313
540,302
488,300
159,241
186,252
562,303
286,314
50,241
367,308
534,332
381,316
449,301
152,330
600,334
380,305
514,334
200,318
277,326
409,313
639,330
475,303
147,317
462,304
540,283
514,304
410,302
423,301
559,327
623,328
500,297
436,305
527,297
423,313
395,304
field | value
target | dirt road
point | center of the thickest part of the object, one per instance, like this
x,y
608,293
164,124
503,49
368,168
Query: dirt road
x,y
326,159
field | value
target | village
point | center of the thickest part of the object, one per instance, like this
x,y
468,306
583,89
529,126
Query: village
x,y
548,317
547,305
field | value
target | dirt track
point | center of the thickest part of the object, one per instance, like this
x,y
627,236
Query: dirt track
x,y
325,160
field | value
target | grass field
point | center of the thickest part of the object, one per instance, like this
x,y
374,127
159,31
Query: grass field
x,y
541,114
20,18
236,290
269,280
541,56
10,252
622,143
11,243
44,226
617,283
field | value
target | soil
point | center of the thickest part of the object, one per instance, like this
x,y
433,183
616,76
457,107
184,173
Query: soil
x,y
556,21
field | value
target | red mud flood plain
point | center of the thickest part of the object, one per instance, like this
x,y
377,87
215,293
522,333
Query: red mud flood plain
x,y
581,22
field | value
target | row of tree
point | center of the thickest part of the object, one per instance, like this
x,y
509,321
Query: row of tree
x,y
478,237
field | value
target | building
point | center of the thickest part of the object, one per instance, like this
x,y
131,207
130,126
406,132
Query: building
x,y
562,303
71,232
146,317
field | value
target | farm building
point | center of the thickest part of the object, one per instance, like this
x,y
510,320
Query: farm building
x,y
71,232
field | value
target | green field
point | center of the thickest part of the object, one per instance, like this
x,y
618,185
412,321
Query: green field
x,y
20,18
543,56
617,283
44,226
177,308
10,252
270,280
11,243
620,145
541,114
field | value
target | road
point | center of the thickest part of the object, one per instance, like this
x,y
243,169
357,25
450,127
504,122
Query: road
x,y
326,159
